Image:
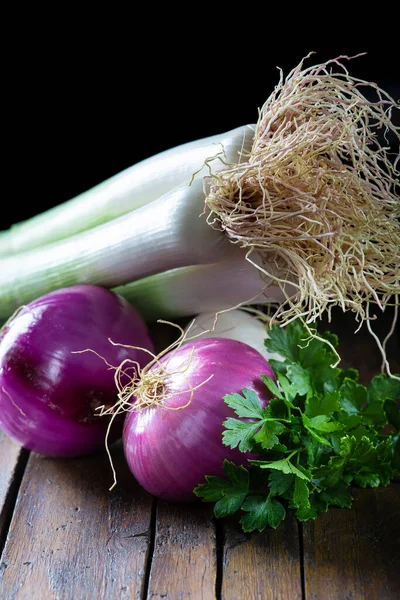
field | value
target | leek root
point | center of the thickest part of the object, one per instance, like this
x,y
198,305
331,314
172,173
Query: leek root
x,y
319,193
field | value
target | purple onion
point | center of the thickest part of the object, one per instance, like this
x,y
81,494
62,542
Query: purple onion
x,y
170,451
48,394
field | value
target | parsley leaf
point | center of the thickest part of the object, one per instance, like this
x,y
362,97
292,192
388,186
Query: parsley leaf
x,y
352,396
383,388
280,482
322,404
228,494
261,512
301,494
247,406
283,465
240,434
267,437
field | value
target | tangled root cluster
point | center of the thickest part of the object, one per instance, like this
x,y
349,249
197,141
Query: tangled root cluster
x,y
317,197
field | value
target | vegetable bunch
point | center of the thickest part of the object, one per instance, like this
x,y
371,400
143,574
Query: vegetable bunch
x,y
320,434
301,209
308,197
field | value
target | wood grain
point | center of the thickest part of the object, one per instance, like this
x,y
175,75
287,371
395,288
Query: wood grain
x,y
355,553
261,566
73,539
184,564
12,461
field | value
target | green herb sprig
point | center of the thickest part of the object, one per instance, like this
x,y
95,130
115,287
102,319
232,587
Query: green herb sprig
x,y
321,433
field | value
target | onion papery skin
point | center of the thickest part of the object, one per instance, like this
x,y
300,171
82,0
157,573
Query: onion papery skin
x,y
49,393
169,451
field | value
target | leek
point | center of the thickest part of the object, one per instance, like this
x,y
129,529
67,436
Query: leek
x,y
186,291
132,188
240,325
316,199
165,234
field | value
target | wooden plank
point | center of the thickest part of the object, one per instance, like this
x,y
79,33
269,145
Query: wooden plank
x,y
355,553
12,460
184,564
261,566
70,538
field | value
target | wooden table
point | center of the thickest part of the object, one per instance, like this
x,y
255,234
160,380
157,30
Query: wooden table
x,y
64,536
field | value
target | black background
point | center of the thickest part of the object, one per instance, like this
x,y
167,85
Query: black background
x,y
86,98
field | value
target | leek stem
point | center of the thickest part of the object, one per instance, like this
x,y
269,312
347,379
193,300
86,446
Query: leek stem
x,y
166,234
188,291
134,187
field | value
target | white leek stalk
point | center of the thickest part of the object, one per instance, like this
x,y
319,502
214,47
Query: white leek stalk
x,y
165,234
235,325
134,187
187,291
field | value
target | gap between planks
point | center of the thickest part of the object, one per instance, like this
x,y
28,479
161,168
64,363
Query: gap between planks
x,y
13,461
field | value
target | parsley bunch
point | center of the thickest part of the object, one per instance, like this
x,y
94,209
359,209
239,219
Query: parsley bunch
x,y
321,433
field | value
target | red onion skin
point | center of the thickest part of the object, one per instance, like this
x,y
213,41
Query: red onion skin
x,y
170,451
48,395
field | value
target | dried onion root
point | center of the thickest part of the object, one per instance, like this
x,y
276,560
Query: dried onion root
x,y
146,385
317,197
